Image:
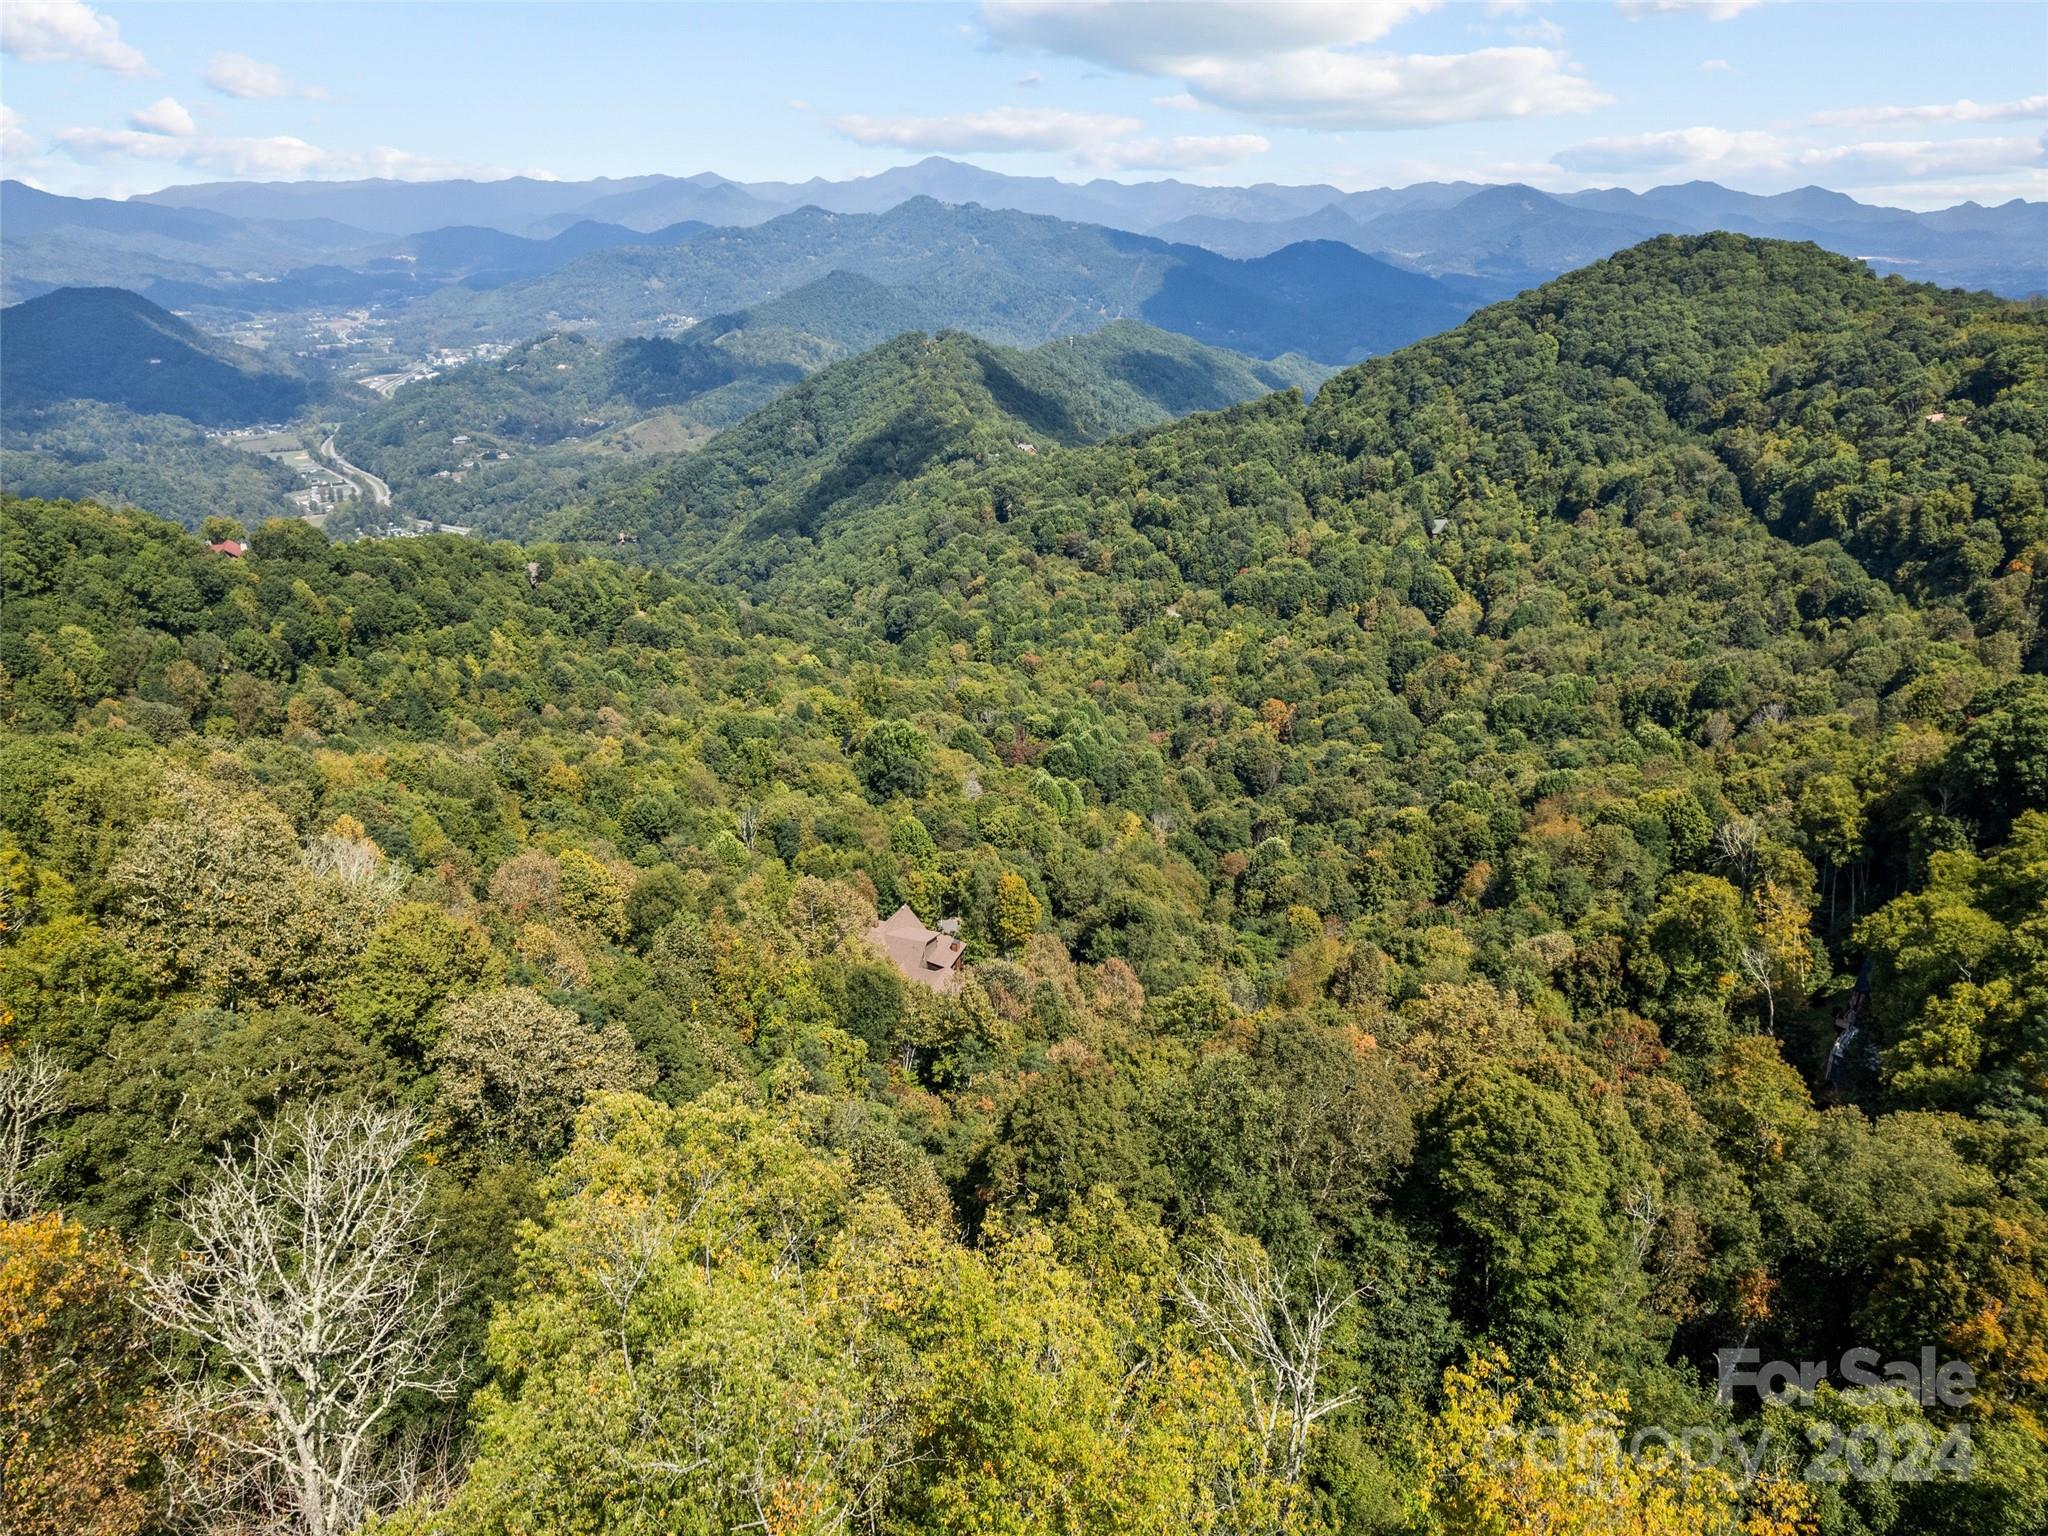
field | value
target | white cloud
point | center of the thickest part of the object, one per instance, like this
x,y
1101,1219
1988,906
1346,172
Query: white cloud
x,y
1942,112
1717,66
164,116
16,142
247,79
279,157
1721,154
1285,62
2030,185
1691,148
51,31
1179,101
1183,152
1713,10
1353,90
1540,29
1030,80
998,129
1917,159
1152,36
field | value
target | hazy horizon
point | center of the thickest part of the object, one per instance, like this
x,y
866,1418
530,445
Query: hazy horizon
x,y
1128,180
1910,105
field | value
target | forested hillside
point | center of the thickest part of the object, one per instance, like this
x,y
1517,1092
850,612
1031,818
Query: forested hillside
x,y
509,443
114,346
106,395
167,464
1702,388
1415,852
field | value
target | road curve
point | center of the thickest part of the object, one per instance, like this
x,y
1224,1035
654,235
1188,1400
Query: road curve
x,y
380,493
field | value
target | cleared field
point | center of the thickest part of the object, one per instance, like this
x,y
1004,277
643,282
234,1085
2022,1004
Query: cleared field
x,y
276,444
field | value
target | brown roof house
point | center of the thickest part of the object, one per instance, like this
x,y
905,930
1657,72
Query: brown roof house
x,y
927,955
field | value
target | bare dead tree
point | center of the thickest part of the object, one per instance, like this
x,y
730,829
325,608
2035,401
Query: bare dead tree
x,y
1762,973
31,1091
354,861
305,1283
1644,1210
1243,1304
1738,840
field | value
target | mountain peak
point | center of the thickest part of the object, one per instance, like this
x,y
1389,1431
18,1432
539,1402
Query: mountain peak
x,y
113,345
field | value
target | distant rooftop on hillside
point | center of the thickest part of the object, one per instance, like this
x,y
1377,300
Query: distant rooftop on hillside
x,y
926,955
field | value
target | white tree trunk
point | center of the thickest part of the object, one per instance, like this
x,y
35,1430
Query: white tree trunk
x,y
31,1091
305,1285
1240,1302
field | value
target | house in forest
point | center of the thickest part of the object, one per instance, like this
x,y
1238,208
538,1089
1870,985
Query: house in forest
x,y
930,956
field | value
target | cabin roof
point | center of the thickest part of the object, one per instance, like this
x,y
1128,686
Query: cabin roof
x,y
924,955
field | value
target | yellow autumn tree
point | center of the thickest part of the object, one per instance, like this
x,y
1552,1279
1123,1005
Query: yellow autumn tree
x,y
1780,958
1503,1460
79,1427
1017,911
592,894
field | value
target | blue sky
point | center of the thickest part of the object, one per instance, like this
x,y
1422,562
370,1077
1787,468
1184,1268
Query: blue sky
x,y
1912,104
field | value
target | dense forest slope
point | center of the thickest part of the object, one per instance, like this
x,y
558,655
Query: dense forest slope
x,y
1480,892
86,450
111,345
1689,386
561,410
1900,421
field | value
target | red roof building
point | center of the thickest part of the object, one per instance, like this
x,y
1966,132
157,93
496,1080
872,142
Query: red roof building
x,y
232,548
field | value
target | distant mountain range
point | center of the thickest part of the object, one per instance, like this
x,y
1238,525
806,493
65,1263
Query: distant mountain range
x,y
1013,278
107,395
54,242
1513,235
276,247
478,256
113,346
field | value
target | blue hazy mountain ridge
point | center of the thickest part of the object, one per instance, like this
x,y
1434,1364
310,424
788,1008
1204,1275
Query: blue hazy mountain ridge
x,y
1517,235
1518,231
114,346
52,242
202,259
1251,237
258,245
480,256
27,210
1969,245
390,207
1014,278
699,200
1504,231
